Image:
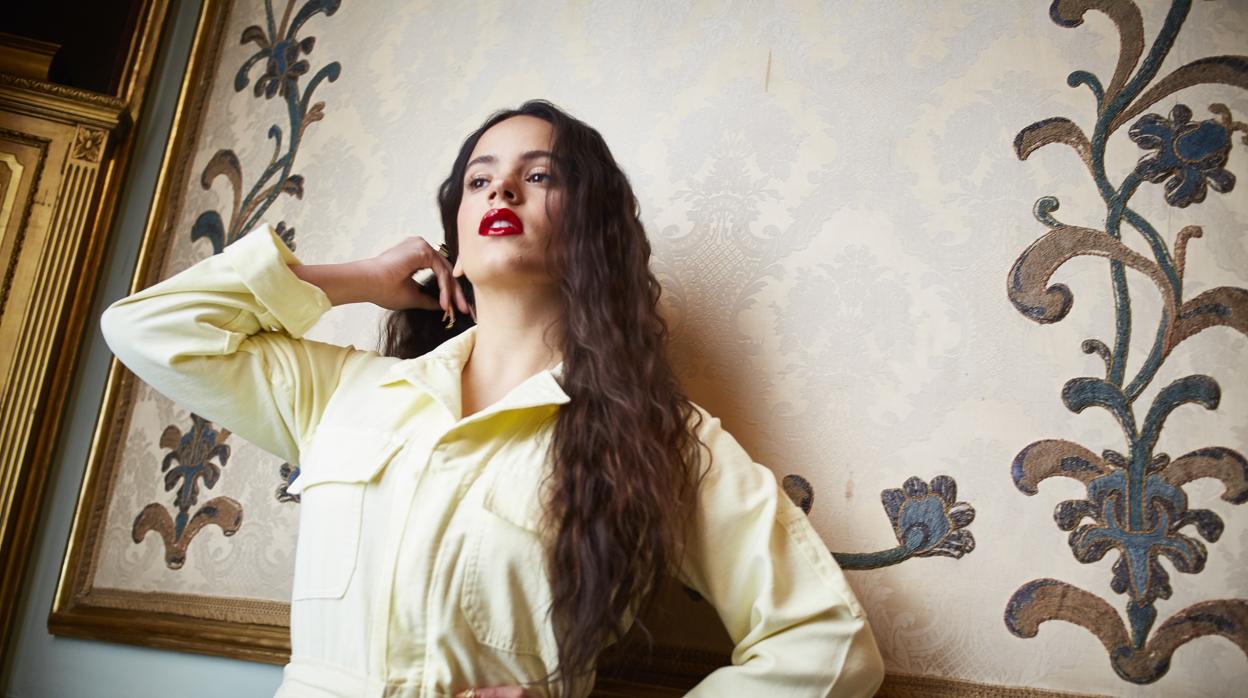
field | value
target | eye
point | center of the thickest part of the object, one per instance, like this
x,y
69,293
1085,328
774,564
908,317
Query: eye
x,y
476,182
539,178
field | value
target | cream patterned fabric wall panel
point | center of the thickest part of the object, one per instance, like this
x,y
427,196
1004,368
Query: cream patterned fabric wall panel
x,y
841,200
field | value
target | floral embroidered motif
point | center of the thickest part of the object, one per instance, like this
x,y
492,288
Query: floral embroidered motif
x,y
194,453
1189,155
1135,507
927,520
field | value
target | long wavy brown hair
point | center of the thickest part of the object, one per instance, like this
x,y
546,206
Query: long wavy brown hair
x,y
624,450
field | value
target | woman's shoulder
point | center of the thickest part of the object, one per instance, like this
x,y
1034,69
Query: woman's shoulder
x,y
368,394
369,369
724,461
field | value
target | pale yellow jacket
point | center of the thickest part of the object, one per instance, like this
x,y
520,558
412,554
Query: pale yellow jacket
x,y
419,566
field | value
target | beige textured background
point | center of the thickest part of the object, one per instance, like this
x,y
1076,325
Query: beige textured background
x,y
834,201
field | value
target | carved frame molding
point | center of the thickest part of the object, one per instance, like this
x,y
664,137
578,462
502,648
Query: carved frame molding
x,y
67,151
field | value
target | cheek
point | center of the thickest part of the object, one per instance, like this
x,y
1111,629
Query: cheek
x,y
467,222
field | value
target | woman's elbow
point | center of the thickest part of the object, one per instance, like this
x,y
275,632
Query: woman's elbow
x,y
136,341
115,327
863,670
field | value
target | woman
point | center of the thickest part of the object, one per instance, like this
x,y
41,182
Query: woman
x,y
482,515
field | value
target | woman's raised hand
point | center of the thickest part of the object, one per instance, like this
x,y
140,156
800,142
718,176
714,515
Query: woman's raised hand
x,y
394,288
386,279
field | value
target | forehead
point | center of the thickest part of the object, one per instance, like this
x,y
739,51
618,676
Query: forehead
x,y
511,137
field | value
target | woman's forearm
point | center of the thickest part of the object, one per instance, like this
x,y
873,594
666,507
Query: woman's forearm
x,y
346,282
387,280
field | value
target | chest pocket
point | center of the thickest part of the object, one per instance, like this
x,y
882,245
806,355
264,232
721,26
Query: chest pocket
x,y
335,469
506,593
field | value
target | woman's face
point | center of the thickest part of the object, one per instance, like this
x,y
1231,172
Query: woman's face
x,y
509,196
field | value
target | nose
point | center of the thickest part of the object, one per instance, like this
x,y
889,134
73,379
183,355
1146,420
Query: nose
x,y
504,189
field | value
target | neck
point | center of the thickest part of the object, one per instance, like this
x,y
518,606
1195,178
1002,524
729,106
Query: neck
x,y
518,334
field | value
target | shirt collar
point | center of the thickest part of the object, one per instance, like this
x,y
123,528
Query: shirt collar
x,y
438,373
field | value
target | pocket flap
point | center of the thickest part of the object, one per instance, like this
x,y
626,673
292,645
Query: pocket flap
x,y
337,454
515,496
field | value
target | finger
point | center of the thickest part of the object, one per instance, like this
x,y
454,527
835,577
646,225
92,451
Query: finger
x,y
461,300
445,282
441,266
428,258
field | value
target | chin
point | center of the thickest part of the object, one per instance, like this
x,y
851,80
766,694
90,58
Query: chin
x,y
506,270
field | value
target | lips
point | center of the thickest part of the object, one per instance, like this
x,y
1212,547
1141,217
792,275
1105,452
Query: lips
x,y
498,222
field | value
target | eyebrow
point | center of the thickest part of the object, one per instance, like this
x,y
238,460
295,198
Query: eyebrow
x,y
490,159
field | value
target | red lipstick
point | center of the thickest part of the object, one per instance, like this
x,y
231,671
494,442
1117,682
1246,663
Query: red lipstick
x,y
500,221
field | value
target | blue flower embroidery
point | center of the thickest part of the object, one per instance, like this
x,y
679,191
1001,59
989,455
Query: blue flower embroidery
x,y
284,67
928,520
1188,154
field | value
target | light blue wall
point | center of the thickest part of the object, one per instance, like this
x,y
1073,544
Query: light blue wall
x,y
39,664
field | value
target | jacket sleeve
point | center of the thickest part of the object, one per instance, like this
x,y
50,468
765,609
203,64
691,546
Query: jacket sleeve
x,y
223,339
798,630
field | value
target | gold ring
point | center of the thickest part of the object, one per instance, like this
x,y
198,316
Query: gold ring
x,y
446,254
470,693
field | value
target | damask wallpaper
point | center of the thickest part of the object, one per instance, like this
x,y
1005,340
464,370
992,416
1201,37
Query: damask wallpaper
x,y
921,258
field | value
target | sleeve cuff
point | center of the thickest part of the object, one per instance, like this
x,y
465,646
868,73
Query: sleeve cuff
x,y
263,262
